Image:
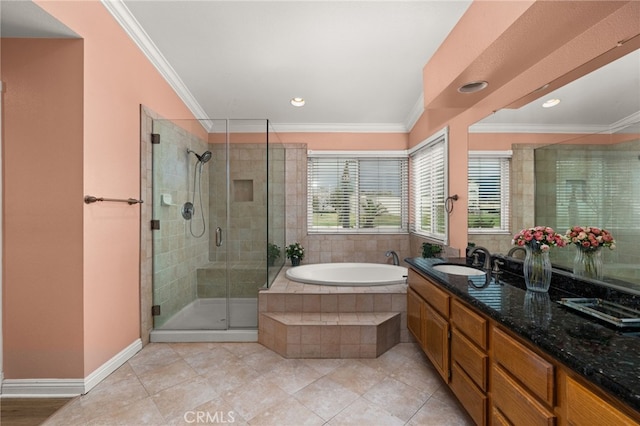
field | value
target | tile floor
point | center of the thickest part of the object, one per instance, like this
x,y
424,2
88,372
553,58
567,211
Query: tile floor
x,y
248,384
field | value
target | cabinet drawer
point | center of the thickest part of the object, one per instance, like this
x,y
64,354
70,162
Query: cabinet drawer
x,y
471,398
471,324
498,419
586,408
437,298
533,371
471,359
515,402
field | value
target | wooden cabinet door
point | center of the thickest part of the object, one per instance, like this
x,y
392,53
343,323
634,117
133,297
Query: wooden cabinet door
x,y
435,331
414,314
586,408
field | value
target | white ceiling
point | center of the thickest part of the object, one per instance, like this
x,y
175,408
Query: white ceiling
x,y
357,63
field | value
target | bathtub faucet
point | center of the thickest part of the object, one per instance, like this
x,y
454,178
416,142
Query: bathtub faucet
x,y
396,260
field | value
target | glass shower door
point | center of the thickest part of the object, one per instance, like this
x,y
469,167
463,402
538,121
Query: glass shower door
x,y
190,289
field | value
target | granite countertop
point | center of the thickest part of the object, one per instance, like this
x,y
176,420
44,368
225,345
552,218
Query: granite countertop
x,y
599,352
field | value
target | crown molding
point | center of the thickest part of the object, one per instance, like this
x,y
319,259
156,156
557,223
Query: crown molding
x,y
625,122
339,127
132,27
555,128
535,128
415,113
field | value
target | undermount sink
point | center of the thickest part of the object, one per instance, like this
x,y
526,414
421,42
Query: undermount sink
x,y
455,269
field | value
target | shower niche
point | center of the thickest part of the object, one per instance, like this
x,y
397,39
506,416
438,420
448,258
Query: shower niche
x,y
226,182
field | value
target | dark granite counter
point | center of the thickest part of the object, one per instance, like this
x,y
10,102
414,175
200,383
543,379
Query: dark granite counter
x,y
599,352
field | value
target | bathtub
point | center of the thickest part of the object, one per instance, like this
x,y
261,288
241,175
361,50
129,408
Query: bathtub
x,y
348,274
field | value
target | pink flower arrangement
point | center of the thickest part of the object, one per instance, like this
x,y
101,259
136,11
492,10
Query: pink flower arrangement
x,y
539,238
590,237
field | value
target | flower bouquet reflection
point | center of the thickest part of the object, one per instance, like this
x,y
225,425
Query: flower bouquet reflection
x,y
537,308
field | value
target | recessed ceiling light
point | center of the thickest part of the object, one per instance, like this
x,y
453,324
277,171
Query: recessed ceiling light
x,y
551,103
473,87
297,102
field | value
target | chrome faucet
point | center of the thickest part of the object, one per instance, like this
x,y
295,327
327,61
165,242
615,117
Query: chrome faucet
x,y
487,257
396,260
515,249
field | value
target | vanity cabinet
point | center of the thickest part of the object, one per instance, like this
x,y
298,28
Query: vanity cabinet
x,y
498,377
431,304
583,407
522,382
469,360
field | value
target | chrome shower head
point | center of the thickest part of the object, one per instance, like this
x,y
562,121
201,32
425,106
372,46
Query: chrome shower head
x,y
206,156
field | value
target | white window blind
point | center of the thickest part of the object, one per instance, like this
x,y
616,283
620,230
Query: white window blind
x,y
429,181
357,195
488,183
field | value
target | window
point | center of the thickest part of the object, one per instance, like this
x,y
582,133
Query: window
x,y
429,180
357,192
488,177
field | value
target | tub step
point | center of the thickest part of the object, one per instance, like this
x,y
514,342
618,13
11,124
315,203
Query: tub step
x,y
329,335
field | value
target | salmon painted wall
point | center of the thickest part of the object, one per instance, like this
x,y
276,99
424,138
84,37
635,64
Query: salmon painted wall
x,y
43,137
117,80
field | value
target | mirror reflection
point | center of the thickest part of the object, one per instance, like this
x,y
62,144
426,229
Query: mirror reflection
x,y
576,164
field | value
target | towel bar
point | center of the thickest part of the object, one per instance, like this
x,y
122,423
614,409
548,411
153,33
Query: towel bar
x,y
91,199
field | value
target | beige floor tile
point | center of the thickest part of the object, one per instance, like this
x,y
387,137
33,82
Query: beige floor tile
x,y
325,397
142,412
175,401
362,412
263,361
324,366
213,359
292,375
437,413
289,412
104,400
215,411
231,375
162,378
248,384
420,375
153,355
356,376
251,400
397,398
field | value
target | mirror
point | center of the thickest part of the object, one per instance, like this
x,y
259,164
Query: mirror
x,y
584,157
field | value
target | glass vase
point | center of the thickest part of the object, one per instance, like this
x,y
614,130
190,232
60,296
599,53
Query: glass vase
x,y
537,269
588,263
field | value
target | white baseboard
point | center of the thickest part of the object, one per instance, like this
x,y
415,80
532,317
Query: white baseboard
x,y
43,388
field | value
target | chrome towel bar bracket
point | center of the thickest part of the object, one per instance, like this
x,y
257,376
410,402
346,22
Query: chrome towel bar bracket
x,y
88,199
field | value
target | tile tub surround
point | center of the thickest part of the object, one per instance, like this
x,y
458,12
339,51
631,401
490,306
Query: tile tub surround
x,y
313,321
604,356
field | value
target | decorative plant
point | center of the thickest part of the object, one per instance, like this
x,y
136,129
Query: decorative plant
x,y
431,250
539,238
273,253
590,238
295,250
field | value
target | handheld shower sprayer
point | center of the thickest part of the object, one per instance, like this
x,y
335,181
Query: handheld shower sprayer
x,y
206,156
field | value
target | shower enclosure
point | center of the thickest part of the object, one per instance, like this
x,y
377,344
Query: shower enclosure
x,y
218,205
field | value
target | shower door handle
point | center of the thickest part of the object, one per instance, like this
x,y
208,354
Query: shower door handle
x,y
218,236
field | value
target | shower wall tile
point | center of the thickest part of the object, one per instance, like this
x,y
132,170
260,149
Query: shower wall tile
x,y
178,252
